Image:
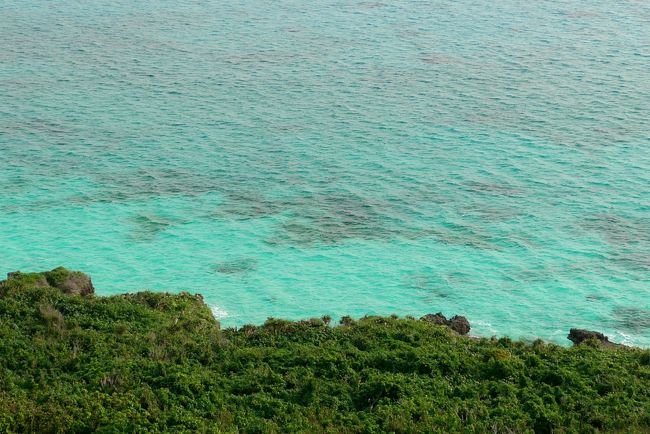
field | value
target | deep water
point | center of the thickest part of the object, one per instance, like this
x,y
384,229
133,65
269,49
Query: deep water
x,y
294,159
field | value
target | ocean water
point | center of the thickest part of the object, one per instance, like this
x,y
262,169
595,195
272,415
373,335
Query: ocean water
x,y
295,159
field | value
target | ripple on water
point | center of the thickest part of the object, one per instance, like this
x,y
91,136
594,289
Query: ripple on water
x,y
145,228
236,266
502,163
632,320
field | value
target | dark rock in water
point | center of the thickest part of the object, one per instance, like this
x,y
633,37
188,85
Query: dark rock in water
x,y
69,282
578,336
459,324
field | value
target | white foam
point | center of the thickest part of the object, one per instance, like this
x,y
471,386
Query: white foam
x,y
623,338
483,326
218,312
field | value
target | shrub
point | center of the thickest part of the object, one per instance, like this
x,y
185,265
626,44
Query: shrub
x,y
154,362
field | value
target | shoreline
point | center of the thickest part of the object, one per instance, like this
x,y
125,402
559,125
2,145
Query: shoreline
x,y
81,284
71,361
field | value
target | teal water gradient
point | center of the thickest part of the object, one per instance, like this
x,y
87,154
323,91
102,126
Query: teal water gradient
x,y
295,159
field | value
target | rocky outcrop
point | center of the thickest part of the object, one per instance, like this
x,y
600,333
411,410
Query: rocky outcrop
x,y
457,323
437,318
69,282
578,336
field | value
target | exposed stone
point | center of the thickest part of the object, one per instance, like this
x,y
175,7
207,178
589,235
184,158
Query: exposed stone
x,y
459,324
578,336
437,318
77,283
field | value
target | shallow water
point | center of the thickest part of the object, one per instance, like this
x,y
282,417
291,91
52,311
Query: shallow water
x,y
293,160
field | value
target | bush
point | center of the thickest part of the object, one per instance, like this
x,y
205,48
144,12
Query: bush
x,y
154,362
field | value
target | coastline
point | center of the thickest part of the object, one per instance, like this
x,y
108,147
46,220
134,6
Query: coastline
x,y
71,361
78,283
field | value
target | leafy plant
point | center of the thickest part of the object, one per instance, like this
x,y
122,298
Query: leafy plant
x,y
155,362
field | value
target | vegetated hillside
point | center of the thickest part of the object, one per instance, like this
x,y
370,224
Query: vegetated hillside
x,y
153,362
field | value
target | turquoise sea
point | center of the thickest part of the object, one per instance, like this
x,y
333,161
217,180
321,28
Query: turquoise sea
x,y
294,159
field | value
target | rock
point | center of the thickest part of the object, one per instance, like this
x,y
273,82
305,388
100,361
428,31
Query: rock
x,y
578,336
459,324
76,283
437,318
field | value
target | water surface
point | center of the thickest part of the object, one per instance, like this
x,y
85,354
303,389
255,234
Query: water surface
x,y
297,159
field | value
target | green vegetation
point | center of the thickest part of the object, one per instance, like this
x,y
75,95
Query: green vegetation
x,y
152,362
